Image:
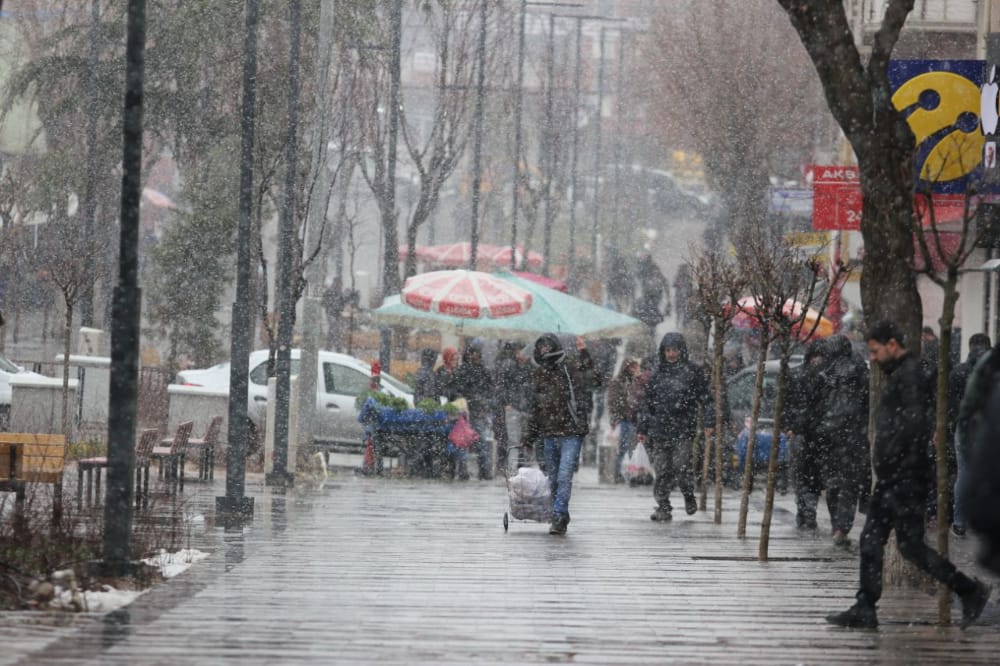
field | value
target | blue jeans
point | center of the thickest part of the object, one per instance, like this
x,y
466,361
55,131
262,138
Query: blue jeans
x,y
561,454
481,424
626,443
960,480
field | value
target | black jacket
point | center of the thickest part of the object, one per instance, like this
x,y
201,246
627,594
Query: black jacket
x,y
669,407
902,430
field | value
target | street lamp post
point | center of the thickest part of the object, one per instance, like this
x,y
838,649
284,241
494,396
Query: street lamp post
x,y
234,506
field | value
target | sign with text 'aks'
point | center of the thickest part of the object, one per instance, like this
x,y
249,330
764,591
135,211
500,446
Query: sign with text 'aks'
x,y
836,198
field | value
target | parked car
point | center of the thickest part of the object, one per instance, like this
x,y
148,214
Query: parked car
x,y
739,394
7,370
339,381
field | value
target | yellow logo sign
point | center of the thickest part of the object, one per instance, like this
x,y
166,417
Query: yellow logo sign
x,y
942,109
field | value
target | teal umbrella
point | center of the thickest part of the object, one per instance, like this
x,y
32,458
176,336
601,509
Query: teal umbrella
x,y
551,311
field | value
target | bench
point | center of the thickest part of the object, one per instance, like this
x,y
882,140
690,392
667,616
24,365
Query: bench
x,y
27,458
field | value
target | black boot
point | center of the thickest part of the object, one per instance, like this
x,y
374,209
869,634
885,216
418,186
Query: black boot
x,y
858,616
973,603
559,523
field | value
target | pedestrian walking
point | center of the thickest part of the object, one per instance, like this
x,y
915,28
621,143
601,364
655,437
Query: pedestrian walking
x,y
668,420
444,376
903,473
979,345
623,406
842,432
558,416
650,307
803,403
474,382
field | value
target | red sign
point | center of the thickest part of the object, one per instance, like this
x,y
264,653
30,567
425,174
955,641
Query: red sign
x,y
836,198
837,201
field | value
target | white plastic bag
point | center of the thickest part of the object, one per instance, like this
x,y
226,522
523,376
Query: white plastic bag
x,y
613,437
637,468
530,495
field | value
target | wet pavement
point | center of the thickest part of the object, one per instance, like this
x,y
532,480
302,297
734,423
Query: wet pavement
x,y
411,571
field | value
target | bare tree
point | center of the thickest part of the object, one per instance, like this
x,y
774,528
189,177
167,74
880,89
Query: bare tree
x,y
716,88
859,96
782,284
718,283
942,264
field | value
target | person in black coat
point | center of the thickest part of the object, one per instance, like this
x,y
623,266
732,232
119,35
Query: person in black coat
x,y
424,381
668,420
804,397
474,382
842,431
979,345
903,473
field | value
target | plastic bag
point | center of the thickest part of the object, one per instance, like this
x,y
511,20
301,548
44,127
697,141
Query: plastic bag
x,y
637,468
613,437
462,433
530,495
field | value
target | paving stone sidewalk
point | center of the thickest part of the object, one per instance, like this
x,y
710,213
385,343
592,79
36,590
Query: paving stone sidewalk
x,y
406,571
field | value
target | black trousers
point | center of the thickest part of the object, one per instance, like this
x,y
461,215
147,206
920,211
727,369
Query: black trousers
x,y
899,505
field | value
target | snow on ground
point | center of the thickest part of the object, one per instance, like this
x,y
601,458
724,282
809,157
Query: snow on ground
x,y
110,598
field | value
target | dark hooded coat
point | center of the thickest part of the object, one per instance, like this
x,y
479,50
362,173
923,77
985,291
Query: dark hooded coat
x,y
669,406
561,392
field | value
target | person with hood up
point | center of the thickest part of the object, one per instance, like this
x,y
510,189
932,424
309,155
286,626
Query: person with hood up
x,y
804,398
903,470
623,403
474,382
668,420
842,432
558,416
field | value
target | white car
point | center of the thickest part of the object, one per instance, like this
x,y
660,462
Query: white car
x,y
339,381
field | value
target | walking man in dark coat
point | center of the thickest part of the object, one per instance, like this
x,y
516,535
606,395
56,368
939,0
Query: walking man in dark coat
x,y
668,420
903,471
561,401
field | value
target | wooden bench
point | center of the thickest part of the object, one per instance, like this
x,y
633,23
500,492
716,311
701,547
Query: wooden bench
x,y
28,458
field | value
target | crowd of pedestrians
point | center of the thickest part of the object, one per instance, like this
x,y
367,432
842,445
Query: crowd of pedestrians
x,y
545,400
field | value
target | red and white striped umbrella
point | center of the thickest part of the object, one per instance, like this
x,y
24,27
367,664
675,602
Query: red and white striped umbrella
x,y
462,293
500,256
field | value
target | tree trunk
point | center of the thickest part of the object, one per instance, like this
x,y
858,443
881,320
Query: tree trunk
x,y
772,460
941,438
67,336
720,421
758,391
888,283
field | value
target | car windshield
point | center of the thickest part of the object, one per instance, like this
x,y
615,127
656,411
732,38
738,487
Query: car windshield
x,y
396,384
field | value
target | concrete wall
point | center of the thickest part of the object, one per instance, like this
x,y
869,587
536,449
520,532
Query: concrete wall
x,y
194,403
36,405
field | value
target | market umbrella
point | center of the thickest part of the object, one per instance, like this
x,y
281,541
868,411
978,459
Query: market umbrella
x,y
748,305
462,293
551,311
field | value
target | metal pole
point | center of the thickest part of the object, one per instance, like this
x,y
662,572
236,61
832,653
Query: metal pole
x,y
518,109
619,111
571,263
390,272
280,475
477,149
597,155
234,506
126,306
90,189
549,149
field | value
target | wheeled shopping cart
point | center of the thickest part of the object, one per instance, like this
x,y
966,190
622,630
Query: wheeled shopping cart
x,y
529,495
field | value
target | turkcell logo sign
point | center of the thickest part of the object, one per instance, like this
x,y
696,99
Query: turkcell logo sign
x,y
940,100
